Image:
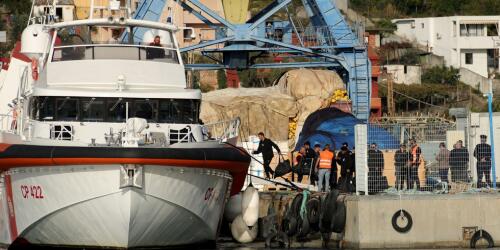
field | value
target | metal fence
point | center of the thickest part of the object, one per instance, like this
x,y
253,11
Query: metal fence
x,y
423,157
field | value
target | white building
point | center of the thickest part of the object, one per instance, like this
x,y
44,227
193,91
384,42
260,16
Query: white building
x,y
404,74
470,42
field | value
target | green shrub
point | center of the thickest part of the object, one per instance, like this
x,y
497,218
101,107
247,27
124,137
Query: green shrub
x,y
441,75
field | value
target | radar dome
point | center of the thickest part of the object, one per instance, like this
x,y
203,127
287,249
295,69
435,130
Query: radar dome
x,y
35,41
165,37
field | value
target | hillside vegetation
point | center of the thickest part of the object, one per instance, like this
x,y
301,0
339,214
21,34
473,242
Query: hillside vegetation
x,y
424,8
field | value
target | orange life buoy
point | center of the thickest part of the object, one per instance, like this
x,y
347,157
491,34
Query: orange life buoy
x,y
34,68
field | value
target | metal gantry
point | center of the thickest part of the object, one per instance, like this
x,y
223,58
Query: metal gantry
x,y
326,40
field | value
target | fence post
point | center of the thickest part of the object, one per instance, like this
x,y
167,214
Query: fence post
x,y
361,159
492,136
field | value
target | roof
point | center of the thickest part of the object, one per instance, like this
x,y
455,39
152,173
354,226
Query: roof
x,y
115,22
461,18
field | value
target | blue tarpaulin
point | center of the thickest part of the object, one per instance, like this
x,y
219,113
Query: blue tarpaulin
x,y
332,126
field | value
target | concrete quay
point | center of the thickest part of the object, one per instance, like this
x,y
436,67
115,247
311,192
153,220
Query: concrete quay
x,y
439,221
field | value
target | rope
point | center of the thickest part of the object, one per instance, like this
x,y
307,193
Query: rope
x,y
290,184
303,207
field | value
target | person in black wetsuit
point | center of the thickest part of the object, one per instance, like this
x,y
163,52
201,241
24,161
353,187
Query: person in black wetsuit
x,y
266,148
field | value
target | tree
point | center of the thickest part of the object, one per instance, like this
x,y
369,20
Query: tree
x,y
424,8
19,22
441,75
17,6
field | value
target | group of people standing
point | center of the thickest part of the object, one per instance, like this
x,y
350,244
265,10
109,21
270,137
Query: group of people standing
x,y
456,161
406,163
323,165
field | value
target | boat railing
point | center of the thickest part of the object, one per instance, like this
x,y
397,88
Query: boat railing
x,y
7,123
223,130
12,123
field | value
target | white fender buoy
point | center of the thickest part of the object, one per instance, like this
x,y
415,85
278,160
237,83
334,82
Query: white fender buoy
x,y
250,206
233,207
241,232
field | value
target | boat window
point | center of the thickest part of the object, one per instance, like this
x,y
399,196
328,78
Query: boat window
x,y
115,52
93,109
146,109
67,109
101,43
117,110
178,111
46,109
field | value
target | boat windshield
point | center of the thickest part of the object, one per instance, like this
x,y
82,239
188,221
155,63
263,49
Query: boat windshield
x,y
97,109
98,43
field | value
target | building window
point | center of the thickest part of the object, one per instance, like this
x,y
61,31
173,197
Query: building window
x,y
59,13
423,25
471,29
468,58
492,30
188,34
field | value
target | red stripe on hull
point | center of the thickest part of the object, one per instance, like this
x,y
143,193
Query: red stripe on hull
x,y
10,207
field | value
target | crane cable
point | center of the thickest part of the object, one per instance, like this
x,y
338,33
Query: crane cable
x,y
412,98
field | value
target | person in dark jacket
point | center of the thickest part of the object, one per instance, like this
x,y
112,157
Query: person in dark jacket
x,y
376,181
459,160
307,167
266,148
482,152
344,159
375,161
309,151
401,161
152,52
314,174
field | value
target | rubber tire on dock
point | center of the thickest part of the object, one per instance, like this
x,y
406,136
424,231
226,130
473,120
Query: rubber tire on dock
x,y
313,213
277,240
296,204
481,234
328,208
302,227
404,214
339,218
290,226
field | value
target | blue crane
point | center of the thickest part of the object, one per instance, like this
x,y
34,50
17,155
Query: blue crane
x,y
326,41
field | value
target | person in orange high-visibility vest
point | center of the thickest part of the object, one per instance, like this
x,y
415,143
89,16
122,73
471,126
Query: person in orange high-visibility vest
x,y
324,167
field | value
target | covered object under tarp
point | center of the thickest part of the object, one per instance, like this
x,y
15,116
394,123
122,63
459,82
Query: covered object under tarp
x,y
260,109
332,126
296,94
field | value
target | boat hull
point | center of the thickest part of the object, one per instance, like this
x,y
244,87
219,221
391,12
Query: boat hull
x,y
87,205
